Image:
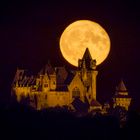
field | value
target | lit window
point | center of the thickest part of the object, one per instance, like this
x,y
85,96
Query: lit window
x,y
76,93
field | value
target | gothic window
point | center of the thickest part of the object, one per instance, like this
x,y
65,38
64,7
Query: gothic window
x,y
76,93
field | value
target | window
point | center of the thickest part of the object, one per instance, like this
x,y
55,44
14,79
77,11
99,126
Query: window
x,y
76,93
45,96
45,85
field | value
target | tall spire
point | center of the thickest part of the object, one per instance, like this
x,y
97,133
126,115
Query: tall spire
x,y
87,61
87,55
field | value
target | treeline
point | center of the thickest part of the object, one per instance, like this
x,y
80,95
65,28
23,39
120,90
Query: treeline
x,y
22,122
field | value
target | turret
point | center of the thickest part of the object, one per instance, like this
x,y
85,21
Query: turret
x,y
87,67
121,97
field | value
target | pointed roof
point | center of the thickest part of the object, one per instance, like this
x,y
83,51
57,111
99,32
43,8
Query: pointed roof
x,y
19,75
61,74
47,69
87,55
121,86
86,61
69,78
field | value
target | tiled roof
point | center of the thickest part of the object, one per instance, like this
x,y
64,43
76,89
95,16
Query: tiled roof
x,y
23,77
61,74
69,78
121,86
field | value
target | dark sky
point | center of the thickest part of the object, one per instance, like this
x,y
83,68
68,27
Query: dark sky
x,y
30,32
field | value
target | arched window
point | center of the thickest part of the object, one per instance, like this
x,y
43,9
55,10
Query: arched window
x,y
76,93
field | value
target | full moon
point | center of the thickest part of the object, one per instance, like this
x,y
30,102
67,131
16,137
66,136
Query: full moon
x,y
84,34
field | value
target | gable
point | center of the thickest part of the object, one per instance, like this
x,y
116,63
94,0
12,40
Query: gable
x,y
76,82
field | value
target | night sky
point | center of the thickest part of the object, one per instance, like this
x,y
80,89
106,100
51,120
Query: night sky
x,y
30,33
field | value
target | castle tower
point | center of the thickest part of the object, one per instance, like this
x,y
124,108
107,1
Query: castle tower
x,y
121,97
88,73
48,77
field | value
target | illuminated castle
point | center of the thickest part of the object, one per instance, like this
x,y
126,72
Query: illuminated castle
x,y
57,86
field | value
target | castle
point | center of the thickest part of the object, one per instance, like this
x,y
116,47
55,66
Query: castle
x,y
53,87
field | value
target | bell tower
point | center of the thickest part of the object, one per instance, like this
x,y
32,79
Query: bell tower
x,y
88,73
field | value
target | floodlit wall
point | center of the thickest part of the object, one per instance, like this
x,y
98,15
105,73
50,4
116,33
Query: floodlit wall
x,y
123,102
